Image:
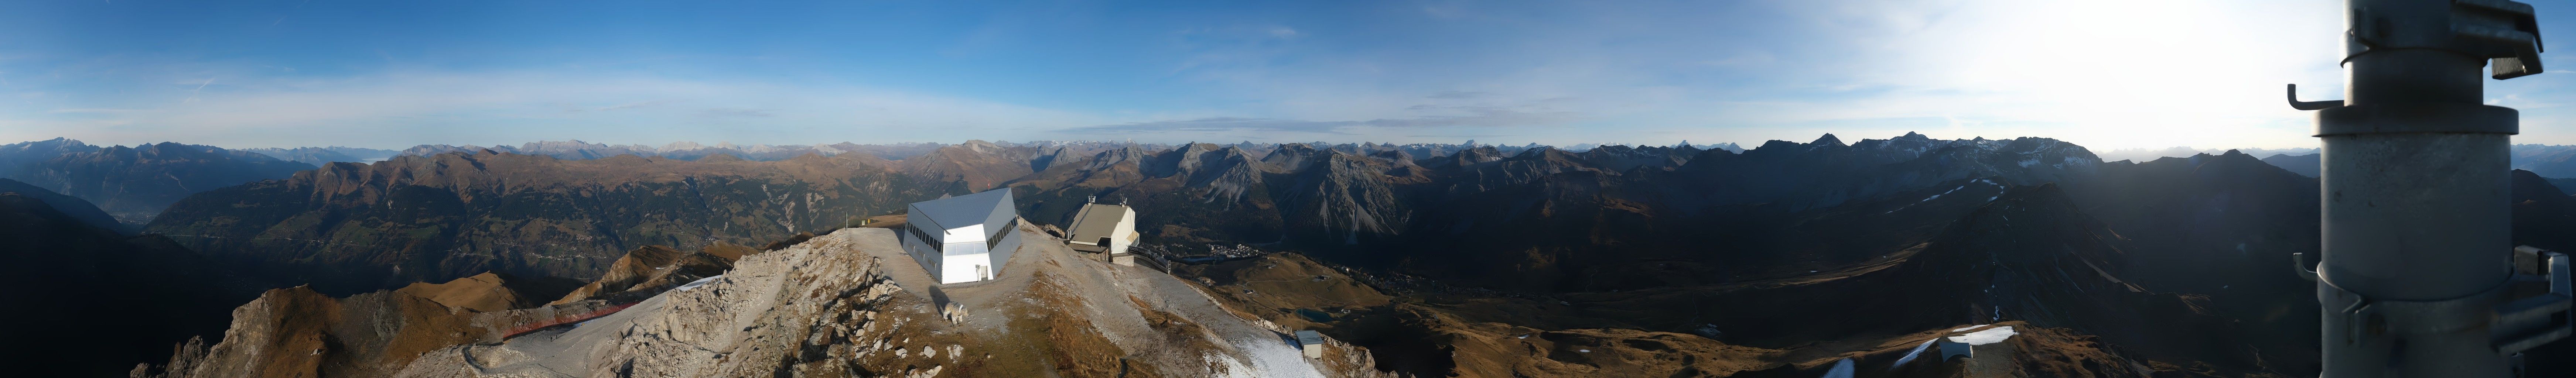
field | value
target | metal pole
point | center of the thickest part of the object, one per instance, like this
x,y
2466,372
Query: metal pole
x,y
2417,249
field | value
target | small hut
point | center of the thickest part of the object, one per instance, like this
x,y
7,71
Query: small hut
x,y
1311,342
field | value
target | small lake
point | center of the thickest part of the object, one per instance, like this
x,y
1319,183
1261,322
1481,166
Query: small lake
x,y
1314,315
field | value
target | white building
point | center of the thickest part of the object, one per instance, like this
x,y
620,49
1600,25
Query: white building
x,y
963,238
1104,228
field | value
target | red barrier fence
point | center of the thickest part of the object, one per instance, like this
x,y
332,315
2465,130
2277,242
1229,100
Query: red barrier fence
x,y
562,320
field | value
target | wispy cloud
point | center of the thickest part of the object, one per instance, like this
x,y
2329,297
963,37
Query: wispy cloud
x,y
97,111
1481,117
732,112
418,107
1457,95
634,105
192,93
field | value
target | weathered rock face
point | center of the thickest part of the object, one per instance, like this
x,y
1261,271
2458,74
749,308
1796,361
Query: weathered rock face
x,y
352,228
646,271
795,311
297,332
136,181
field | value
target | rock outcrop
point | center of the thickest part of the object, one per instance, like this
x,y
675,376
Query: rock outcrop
x,y
298,332
652,269
849,304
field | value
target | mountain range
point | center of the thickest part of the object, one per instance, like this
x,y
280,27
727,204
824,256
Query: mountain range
x,y
351,228
319,156
135,183
1436,260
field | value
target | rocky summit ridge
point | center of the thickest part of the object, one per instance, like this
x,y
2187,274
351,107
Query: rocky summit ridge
x,y
844,304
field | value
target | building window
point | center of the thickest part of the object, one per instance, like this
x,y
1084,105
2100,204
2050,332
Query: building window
x,y
1007,226
924,237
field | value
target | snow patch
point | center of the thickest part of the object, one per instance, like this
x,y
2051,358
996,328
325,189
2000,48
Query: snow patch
x,y
1265,359
1842,369
1989,336
1918,350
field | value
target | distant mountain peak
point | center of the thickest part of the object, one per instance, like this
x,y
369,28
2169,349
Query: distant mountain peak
x,y
1828,139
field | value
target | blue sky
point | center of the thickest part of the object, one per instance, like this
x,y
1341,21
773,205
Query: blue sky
x,y
2106,74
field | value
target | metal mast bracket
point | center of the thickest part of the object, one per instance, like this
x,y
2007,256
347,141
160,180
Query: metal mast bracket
x,y
2517,326
2373,316
2533,321
2504,32
2418,118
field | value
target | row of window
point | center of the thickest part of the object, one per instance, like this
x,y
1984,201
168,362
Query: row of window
x,y
924,237
935,245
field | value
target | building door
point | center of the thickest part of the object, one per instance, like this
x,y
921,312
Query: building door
x,y
982,273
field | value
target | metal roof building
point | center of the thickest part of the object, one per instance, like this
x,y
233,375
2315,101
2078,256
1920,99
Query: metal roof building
x,y
1104,228
1311,343
964,238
